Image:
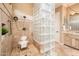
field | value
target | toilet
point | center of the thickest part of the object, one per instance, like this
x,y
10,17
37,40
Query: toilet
x,y
23,42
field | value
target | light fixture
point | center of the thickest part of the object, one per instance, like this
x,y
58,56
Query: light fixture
x,y
72,12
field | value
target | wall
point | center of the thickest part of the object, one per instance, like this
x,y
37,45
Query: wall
x,y
21,10
6,42
23,7
63,17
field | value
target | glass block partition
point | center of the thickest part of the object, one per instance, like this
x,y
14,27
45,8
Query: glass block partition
x,y
43,14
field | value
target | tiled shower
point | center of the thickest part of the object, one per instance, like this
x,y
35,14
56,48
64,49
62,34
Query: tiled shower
x,y
42,28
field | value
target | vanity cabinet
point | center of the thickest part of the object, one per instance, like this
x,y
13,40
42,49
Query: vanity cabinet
x,y
71,40
67,40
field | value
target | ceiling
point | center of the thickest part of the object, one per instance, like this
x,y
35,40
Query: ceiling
x,y
65,4
58,5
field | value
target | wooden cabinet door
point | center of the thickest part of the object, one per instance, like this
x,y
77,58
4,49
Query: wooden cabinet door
x,y
67,40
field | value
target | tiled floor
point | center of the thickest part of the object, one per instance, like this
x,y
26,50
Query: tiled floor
x,y
60,50
30,51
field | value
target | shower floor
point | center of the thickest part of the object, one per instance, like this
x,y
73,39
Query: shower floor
x,y
30,51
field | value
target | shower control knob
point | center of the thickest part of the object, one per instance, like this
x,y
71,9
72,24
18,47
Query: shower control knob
x,y
24,16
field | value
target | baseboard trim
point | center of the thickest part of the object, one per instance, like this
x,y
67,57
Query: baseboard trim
x,y
71,47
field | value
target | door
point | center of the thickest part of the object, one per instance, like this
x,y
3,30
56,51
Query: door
x,y
57,27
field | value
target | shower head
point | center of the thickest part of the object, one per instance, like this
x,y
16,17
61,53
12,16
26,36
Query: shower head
x,y
15,18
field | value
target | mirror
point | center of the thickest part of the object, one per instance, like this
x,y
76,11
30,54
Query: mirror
x,y
73,18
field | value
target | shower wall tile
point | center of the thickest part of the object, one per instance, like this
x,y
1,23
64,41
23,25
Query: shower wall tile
x,y
18,32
